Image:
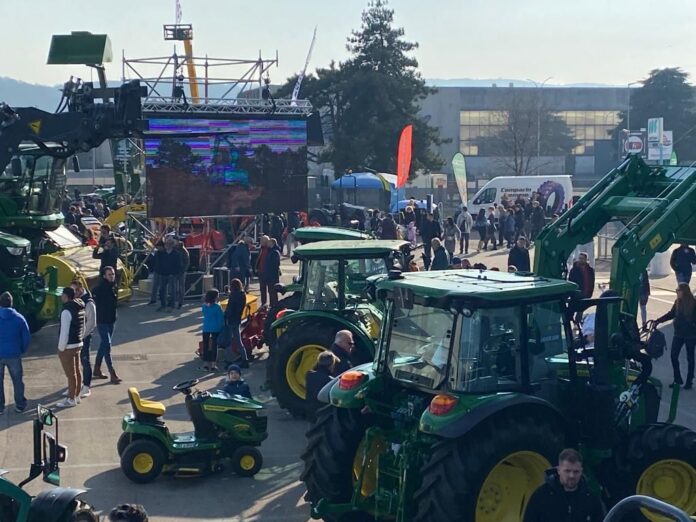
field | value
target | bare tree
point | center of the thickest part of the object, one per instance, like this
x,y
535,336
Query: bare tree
x,y
528,129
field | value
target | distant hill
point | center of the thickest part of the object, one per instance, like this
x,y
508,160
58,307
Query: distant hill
x,y
500,82
21,94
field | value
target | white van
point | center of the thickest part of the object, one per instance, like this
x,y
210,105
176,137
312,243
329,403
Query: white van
x,y
556,191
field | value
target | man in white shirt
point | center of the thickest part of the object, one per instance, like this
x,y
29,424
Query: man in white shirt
x,y
90,325
70,341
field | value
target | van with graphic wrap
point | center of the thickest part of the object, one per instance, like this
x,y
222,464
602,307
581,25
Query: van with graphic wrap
x,y
556,192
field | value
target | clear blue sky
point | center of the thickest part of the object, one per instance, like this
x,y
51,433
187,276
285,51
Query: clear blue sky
x,y
574,41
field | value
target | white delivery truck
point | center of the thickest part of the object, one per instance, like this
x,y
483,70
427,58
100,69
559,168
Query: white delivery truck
x,y
556,192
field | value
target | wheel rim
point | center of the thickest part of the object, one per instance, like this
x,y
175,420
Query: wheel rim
x,y
299,363
247,462
143,463
369,480
672,481
508,487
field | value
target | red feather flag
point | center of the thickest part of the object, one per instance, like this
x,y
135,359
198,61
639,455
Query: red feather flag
x,y
403,156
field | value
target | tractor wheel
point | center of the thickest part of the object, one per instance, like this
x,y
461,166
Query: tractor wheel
x,y
35,324
296,353
494,482
246,461
82,512
123,441
143,460
659,461
332,443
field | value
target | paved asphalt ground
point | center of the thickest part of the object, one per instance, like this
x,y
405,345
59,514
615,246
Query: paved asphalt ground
x,y
154,351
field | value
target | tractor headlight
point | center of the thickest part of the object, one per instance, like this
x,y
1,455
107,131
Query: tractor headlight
x,y
15,251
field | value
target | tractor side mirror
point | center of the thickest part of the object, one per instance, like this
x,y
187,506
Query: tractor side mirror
x,y
16,166
75,164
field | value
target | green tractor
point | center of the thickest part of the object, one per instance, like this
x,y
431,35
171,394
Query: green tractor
x,y
333,298
53,505
479,380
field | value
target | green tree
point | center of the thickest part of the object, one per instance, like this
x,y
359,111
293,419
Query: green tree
x,y
665,93
527,128
366,101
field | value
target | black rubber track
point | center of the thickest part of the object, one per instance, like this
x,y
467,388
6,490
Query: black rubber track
x,y
332,441
295,337
647,445
453,475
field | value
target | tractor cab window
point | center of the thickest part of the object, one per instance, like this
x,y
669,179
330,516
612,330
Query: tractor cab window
x,y
489,350
546,340
321,286
356,273
486,196
39,189
419,344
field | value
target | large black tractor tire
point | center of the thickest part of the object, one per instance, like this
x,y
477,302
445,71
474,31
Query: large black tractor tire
x,y
332,442
35,324
457,483
142,460
659,460
296,352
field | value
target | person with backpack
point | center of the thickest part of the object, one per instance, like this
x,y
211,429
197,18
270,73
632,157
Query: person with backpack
x,y
683,313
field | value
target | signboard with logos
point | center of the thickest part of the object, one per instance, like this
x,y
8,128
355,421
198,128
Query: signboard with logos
x,y
655,129
633,142
439,180
661,150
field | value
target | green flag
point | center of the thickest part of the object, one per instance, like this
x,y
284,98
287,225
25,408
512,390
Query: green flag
x,y
459,168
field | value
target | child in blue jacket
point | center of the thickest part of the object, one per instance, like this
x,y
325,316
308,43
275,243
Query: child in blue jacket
x,y
213,323
235,384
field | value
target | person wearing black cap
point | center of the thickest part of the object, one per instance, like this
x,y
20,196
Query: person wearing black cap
x,y
128,513
235,384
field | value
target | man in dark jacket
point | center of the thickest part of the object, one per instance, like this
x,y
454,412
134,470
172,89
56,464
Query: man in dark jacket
x,y
318,377
519,256
239,261
271,271
441,260
343,348
168,263
388,228
537,220
681,260
14,341
583,275
564,496
152,265
108,254
429,229
106,299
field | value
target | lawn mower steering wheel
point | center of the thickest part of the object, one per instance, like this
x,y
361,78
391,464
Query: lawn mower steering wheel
x,y
185,387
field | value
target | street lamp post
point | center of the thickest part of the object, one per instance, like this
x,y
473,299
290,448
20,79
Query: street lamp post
x,y
539,86
628,110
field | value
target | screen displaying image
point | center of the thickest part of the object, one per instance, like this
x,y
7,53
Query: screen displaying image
x,y
241,167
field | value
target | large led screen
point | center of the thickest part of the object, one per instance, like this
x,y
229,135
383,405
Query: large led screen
x,y
241,167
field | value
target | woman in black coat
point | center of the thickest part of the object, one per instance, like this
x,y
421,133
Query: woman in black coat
x,y
233,319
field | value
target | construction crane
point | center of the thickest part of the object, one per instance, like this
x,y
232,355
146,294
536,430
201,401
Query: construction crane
x,y
184,33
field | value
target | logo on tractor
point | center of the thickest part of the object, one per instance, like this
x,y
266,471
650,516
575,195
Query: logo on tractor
x,y
35,126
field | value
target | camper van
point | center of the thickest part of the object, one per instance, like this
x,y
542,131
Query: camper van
x,y
556,192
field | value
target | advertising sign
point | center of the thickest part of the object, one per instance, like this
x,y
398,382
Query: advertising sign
x,y
633,142
655,129
666,146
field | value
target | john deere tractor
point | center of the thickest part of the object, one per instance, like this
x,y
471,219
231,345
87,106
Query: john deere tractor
x,y
333,298
480,378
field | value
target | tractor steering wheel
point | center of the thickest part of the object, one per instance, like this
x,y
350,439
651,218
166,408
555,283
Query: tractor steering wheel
x,y
185,387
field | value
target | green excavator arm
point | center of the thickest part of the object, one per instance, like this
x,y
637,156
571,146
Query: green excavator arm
x,y
655,207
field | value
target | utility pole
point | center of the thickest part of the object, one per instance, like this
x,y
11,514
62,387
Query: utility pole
x,y
628,109
539,86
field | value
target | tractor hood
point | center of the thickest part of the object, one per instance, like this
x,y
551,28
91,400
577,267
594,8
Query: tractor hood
x,y
8,240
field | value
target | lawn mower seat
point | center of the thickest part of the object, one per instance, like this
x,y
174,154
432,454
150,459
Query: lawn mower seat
x,y
144,410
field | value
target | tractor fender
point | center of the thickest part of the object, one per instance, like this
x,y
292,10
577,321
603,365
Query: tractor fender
x,y
314,319
50,505
466,419
324,394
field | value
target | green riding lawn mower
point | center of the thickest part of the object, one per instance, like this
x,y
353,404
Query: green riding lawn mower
x,y
479,379
227,429
53,505
333,298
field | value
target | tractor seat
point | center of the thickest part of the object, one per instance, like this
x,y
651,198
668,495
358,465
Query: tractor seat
x,y
145,410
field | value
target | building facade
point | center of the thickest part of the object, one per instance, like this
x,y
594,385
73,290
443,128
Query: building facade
x,y
465,115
